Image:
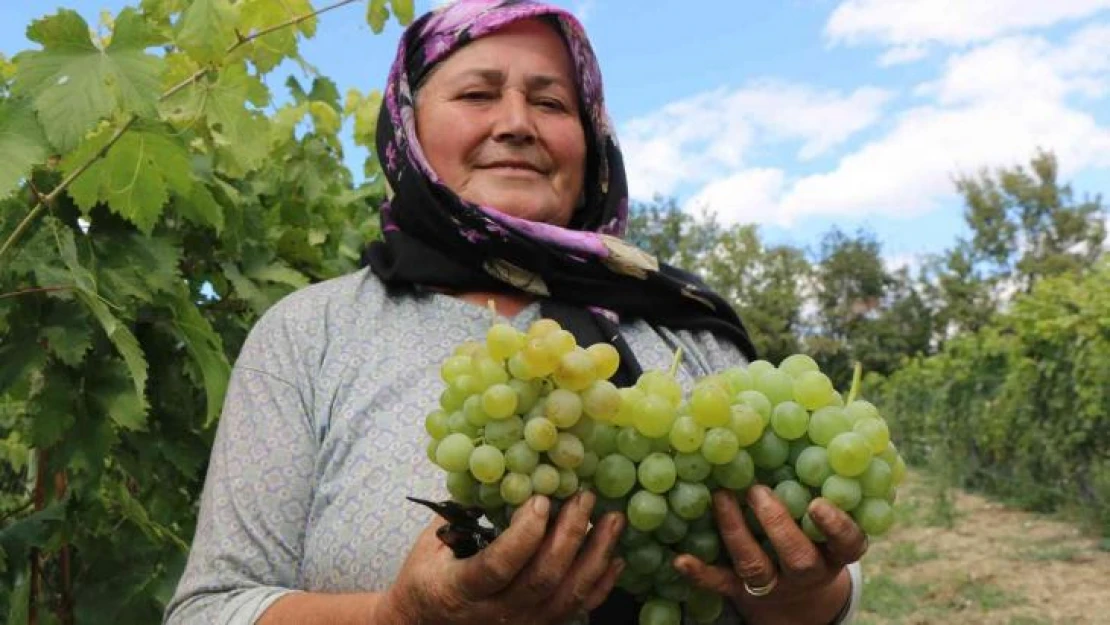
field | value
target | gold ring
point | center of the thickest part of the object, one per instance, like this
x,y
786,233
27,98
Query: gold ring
x,y
761,591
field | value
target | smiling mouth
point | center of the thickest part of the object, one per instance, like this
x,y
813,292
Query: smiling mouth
x,y
513,169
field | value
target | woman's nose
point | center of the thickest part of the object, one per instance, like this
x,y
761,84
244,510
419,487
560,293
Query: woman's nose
x,y
514,122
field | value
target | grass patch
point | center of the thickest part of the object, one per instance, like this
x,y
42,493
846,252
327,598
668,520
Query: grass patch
x,y
1022,619
903,554
888,598
1056,553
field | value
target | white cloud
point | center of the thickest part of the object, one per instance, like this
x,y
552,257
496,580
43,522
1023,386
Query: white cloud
x,y
706,136
750,195
583,9
948,22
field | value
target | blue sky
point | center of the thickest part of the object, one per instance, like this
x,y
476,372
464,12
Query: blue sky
x,y
804,114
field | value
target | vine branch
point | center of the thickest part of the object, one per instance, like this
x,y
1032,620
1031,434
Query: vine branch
x,y
43,202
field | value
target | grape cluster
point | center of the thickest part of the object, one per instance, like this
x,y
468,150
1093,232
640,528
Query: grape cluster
x,y
533,412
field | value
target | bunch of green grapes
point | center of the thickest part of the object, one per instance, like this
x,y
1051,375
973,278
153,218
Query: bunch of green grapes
x,y
533,412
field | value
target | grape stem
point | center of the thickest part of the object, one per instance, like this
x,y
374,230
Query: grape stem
x,y
857,376
675,362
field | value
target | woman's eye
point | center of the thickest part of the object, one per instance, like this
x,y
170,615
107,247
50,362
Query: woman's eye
x,y
477,95
554,105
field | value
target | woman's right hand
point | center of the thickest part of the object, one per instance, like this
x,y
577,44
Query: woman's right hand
x,y
527,575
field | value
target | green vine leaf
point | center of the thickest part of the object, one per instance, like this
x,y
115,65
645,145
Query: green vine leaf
x,y
67,333
73,84
207,29
404,11
207,350
268,51
22,143
376,15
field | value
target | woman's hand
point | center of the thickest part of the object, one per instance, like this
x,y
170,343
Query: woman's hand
x,y
812,584
528,574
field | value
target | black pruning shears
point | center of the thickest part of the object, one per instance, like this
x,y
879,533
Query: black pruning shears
x,y
463,532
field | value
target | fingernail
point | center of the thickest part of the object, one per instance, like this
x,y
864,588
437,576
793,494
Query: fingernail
x,y
616,522
682,565
541,505
586,500
758,494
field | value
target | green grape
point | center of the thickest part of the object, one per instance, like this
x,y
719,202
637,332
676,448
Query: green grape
x,y
632,537
588,466
462,487
875,432
575,371
720,446
606,359
797,446
844,492
770,451
458,424
898,471
562,342
563,408
810,529
795,496
662,384
674,590
489,496
503,340
661,445
542,327
527,394
849,454
704,606
568,452
861,409
826,423
541,434
759,402
874,516
545,479
521,458
632,406
738,379
812,389
453,453
584,430
489,372
686,435
785,473
877,480
520,368
602,401
475,414
692,467
615,476
435,424
835,399
689,500
451,400
502,434
672,530
538,358
603,439
645,558
705,546
660,612
709,405
746,423
797,364
430,450
635,585
657,473
646,510
487,464
516,488
889,454
469,349
657,416
776,386
453,367
568,483
813,466
736,474
759,367
499,401
633,445
790,421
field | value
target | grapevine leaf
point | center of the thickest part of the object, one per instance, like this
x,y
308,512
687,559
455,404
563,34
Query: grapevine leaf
x,y
365,110
73,84
280,273
202,209
135,266
19,356
111,390
117,332
245,288
132,178
7,68
324,90
207,29
404,11
33,530
67,333
376,15
325,117
269,50
52,412
207,350
22,144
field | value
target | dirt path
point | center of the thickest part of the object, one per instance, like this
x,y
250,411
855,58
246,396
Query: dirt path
x,y
970,560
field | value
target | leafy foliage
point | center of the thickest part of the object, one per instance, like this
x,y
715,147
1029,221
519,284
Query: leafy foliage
x,y
150,211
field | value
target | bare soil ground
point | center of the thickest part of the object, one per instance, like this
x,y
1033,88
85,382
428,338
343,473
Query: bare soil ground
x,y
962,558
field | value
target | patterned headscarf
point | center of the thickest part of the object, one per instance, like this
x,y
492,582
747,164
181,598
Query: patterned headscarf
x,y
587,275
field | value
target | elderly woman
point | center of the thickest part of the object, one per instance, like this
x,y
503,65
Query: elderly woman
x,y
506,184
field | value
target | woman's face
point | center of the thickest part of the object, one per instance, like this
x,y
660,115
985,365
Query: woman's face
x,y
498,121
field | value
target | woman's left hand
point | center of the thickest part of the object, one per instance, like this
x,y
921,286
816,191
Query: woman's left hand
x,y
811,583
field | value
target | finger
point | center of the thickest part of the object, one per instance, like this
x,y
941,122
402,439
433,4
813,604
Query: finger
x,y
845,541
605,584
714,578
748,559
545,573
591,564
798,556
495,567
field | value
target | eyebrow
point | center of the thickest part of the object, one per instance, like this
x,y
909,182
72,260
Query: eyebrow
x,y
534,82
